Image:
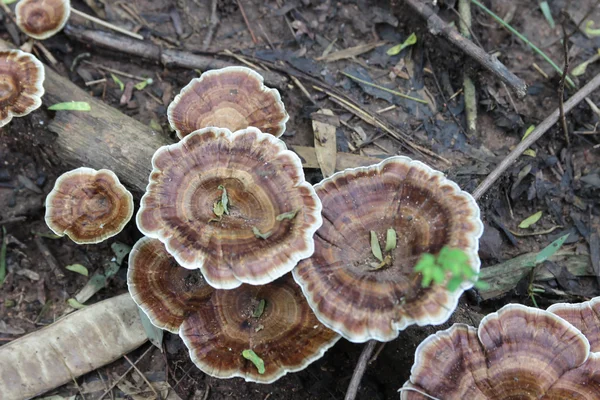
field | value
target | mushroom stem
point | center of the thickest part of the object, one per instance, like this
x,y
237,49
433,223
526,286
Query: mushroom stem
x,y
107,24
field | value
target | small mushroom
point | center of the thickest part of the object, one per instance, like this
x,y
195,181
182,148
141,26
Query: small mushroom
x,y
219,326
353,293
584,316
21,84
233,97
41,19
89,206
516,353
234,205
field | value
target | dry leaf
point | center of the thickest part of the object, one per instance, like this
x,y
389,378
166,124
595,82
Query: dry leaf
x,y
350,52
325,144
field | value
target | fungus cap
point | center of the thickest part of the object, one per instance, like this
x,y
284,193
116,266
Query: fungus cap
x,y
41,19
273,320
89,206
21,84
517,352
584,316
233,97
426,210
261,180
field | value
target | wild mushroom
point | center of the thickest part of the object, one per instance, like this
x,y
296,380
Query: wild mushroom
x,y
583,316
259,333
233,97
41,19
89,206
364,298
21,84
234,205
516,353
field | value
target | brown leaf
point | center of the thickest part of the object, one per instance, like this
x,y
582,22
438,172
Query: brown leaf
x,y
325,144
350,52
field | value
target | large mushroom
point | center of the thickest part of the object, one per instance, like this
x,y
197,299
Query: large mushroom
x,y
353,293
21,84
516,353
271,325
41,19
234,205
584,316
89,206
233,97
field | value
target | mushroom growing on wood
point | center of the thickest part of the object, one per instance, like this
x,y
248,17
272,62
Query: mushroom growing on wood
x,y
21,84
234,205
259,333
41,19
516,353
89,206
233,97
364,298
583,316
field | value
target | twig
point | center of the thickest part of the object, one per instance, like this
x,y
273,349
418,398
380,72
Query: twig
x,y
142,375
214,22
107,24
470,96
246,21
561,85
54,266
535,135
359,371
12,220
126,372
394,92
437,26
114,71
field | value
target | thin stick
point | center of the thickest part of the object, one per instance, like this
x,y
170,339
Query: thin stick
x,y
359,371
107,24
246,21
437,26
212,27
561,86
143,376
49,257
125,374
394,92
535,135
114,71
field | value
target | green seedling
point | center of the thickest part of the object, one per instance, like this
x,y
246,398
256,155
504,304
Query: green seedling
x,y
221,207
71,106
287,215
255,359
258,234
412,39
260,309
390,245
449,261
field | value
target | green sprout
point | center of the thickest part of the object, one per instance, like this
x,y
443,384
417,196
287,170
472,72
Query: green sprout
x,y
258,234
222,206
448,261
287,215
255,359
260,309
390,245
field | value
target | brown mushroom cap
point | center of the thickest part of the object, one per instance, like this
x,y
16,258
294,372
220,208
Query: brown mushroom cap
x,y
21,84
162,288
233,98
218,325
41,19
426,210
89,206
517,353
263,180
584,316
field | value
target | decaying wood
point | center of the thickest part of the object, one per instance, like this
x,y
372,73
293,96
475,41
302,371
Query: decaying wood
x,y
167,57
71,347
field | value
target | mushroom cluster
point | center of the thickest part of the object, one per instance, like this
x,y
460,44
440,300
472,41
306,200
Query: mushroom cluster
x,y
517,352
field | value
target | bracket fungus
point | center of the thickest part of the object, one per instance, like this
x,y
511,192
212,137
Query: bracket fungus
x,y
233,97
364,300
234,205
518,352
220,327
21,84
89,206
42,19
583,316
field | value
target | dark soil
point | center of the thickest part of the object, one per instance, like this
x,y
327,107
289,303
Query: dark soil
x,y
562,181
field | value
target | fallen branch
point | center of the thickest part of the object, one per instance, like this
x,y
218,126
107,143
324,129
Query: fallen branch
x,y
535,135
437,26
359,371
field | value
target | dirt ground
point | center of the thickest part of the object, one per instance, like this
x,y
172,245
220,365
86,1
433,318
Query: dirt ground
x,y
562,181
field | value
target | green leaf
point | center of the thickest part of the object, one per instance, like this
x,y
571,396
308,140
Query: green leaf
x,y
454,283
287,215
71,106
549,250
3,257
120,251
80,269
527,222
452,259
438,276
75,304
589,29
154,334
375,247
260,308
7,2
481,285
528,132
412,39
259,235
218,209
255,359
142,85
47,235
224,199
118,82
390,240
547,14
426,262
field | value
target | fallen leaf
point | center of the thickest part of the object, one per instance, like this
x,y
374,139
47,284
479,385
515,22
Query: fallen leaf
x,y
10,330
325,144
527,222
80,269
71,106
350,52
